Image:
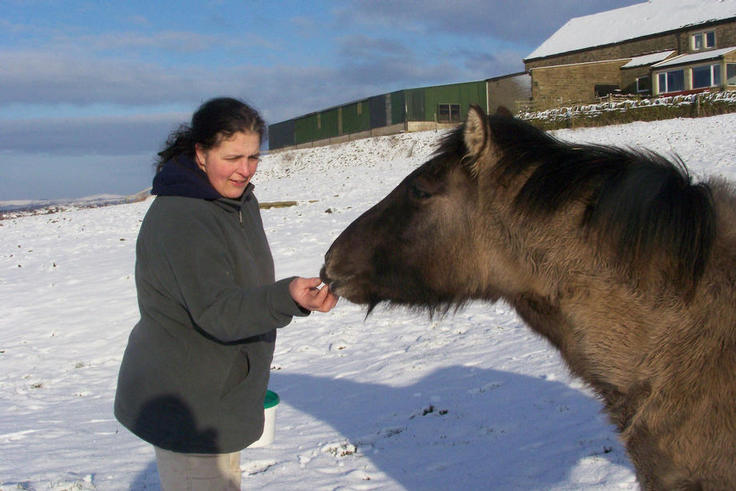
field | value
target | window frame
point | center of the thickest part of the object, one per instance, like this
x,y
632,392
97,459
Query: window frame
x,y
731,80
450,112
704,37
667,76
647,87
714,75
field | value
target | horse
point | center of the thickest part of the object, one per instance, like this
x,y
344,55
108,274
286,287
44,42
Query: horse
x,y
615,255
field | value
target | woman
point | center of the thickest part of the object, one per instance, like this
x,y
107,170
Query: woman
x,y
194,374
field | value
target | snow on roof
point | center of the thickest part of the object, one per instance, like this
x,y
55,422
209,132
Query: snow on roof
x,y
642,19
694,57
648,59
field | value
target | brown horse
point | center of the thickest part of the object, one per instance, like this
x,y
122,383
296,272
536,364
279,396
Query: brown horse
x,y
614,255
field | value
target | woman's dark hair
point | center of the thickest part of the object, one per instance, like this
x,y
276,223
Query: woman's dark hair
x,y
214,121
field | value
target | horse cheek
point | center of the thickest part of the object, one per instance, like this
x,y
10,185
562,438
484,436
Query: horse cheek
x,y
448,249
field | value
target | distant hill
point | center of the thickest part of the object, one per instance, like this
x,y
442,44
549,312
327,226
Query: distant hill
x,y
17,208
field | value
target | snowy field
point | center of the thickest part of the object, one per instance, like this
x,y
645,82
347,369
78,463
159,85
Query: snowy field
x,y
395,401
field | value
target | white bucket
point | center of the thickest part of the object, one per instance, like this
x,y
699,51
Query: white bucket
x,y
269,423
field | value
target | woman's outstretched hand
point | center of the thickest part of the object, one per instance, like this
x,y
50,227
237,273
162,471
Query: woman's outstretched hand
x,y
306,292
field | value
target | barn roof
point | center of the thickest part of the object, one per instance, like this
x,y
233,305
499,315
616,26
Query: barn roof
x,y
635,21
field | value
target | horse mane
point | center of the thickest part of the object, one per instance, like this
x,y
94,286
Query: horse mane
x,y
640,203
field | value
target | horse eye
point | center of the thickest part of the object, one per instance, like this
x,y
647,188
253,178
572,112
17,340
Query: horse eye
x,y
418,193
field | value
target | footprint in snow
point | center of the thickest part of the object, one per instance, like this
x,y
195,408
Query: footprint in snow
x,y
257,466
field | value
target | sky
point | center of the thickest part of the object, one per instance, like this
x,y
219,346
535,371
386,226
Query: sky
x,y
90,90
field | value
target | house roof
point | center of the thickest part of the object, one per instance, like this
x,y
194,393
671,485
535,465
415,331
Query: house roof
x,y
635,21
694,57
648,59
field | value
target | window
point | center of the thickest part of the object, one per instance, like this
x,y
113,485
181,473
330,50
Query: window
x,y
602,90
360,108
703,40
673,81
706,76
319,121
448,113
643,84
731,73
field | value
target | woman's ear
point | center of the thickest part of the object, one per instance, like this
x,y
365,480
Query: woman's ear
x,y
200,157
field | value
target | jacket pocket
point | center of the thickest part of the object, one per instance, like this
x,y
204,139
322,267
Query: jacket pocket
x,y
239,371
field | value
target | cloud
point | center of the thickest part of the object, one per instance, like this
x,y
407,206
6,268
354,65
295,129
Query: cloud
x,y
279,92
171,41
165,41
37,176
362,46
42,77
490,64
529,21
398,45
382,64
305,26
106,135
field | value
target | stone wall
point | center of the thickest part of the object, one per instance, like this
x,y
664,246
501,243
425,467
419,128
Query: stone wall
x,y
629,76
508,91
628,49
573,84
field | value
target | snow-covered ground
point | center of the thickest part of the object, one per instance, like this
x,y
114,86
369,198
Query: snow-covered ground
x,y
394,401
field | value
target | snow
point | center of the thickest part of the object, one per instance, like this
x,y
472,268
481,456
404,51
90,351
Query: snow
x,y
635,21
396,401
694,57
647,59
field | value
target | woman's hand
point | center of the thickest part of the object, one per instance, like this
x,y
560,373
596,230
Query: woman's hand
x,y
306,292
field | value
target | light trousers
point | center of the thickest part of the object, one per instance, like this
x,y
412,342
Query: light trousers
x,y
198,472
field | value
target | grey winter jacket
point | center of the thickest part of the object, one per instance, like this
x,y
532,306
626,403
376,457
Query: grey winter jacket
x,y
196,367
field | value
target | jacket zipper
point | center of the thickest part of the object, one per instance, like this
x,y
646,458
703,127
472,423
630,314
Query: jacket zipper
x,y
240,216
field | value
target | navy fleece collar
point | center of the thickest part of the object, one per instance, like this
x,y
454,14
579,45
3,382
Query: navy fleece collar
x,y
181,176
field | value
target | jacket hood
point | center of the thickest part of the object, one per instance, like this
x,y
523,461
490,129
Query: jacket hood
x,y
180,176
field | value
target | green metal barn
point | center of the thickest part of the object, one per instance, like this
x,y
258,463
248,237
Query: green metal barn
x,y
404,110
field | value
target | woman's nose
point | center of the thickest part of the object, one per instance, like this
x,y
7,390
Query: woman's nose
x,y
246,168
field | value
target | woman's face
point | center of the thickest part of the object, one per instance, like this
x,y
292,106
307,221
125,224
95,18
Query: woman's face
x,y
231,164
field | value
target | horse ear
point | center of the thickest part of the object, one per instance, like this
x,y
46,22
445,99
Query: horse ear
x,y
475,131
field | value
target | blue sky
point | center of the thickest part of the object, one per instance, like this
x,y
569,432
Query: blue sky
x,y
89,90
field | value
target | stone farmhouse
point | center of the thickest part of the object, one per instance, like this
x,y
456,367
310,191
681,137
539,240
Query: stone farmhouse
x,y
660,47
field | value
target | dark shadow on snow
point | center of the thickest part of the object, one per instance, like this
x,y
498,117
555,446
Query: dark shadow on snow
x,y
457,428
460,427
147,479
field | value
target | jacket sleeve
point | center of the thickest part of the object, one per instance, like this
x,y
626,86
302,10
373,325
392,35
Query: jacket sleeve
x,y
203,283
